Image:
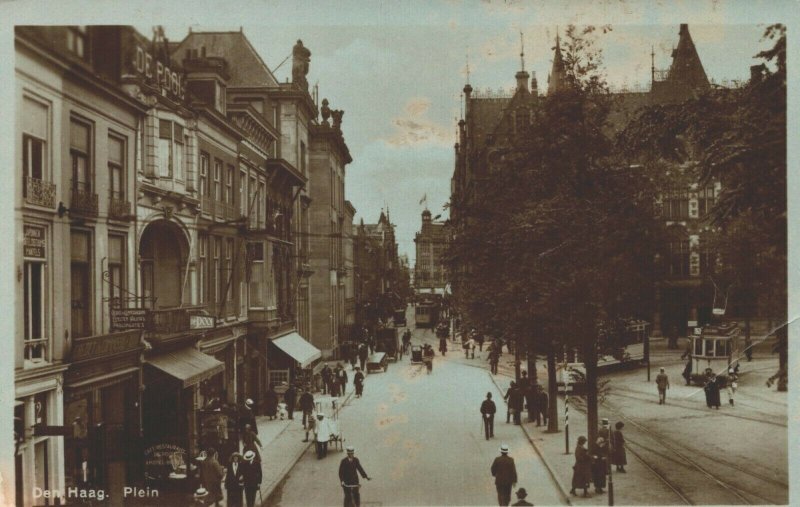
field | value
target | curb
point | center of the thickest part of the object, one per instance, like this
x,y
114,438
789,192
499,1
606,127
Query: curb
x,y
266,494
550,470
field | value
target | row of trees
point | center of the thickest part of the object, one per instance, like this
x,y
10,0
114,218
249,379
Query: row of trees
x,y
562,242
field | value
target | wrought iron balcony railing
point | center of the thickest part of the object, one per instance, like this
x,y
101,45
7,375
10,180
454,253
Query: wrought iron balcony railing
x,y
40,192
83,202
119,209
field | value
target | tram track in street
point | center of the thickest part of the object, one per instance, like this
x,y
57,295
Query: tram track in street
x,y
744,496
630,394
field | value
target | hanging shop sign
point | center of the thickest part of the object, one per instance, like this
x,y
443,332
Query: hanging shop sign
x,y
34,244
128,318
202,322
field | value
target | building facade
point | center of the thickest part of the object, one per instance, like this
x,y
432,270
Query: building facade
x,y
487,133
431,245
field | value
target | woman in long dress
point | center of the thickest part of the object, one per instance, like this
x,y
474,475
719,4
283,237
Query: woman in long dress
x,y
618,456
271,403
582,470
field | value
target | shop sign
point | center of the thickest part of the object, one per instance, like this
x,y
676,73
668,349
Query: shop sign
x,y
202,322
156,72
128,318
42,430
165,461
104,345
34,243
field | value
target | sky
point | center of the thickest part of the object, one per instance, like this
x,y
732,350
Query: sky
x,y
397,68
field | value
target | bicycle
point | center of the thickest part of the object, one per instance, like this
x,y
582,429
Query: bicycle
x,y
352,498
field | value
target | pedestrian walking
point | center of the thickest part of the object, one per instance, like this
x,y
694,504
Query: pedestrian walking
x,y
512,388
289,397
488,409
531,393
234,481
662,382
349,469
246,416
327,378
505,475
250,441
618,456
363,353
251,477
341,377
687,372
582,470
358,382
443,345
542,403
712,392
599,464
494,360
480,339
271,403
211,474
323,435
306,405
732,385
516,402
201,498
521,495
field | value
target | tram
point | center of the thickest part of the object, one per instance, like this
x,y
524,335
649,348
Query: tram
x,y
714,347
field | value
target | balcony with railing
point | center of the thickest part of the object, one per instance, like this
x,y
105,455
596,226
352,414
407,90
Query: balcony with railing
x,y
119,208
36,352
83,201
39,192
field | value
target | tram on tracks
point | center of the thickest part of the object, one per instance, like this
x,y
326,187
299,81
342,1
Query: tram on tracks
x,y
714,349
427,310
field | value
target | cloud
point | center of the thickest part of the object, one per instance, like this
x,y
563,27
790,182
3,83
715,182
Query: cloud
x,y
414,127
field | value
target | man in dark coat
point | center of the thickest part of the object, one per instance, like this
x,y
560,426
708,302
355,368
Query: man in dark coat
x,y
488,409
306,405
271,403
246,416
599,464
290,398
531,394
582,470
512,390
543,404
505,475
349,468
234,480
494,360
521,494
516,401
251,477
662,382
341,378
358,382
327,378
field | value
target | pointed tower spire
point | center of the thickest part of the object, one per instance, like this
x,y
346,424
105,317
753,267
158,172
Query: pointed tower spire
x,y
686,68
522,51
558,74
522,76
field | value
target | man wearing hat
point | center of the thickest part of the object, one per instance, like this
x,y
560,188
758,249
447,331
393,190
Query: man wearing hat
x,y
306,405
488,409
246,416
323,435
234,480
251,477
358,382
505,475
521,494
349,468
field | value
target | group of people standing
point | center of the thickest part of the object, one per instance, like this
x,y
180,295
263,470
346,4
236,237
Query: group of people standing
x,y
334,380
591,465
241,478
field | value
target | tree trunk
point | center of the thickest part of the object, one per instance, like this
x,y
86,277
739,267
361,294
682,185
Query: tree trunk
x,y
532,380
552,391
783,357
590,363
517,369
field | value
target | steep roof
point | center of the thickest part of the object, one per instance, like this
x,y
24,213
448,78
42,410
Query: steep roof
x,y
484,115
245,64
558,74
686,67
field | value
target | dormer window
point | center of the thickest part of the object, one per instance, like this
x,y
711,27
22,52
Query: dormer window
x,y
76,40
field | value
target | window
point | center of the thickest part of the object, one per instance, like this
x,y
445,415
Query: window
x,y
229,271
80,276
204,165
255,257
217,270
116,167
252,202
35,304
262,203
202,266
80,141
34,140
229,185
116,269
676,204
243,204
76,40
217,180
679,258
170,149
705,201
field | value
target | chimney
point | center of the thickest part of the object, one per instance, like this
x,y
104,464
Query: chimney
x,y
522,80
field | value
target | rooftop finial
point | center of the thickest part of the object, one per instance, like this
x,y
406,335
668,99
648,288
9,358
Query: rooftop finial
x,y
467,66
522,50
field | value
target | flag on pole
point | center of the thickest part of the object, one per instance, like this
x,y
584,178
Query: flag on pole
x,y
424,199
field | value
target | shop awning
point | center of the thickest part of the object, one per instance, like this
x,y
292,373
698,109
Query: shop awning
x,y
298,349
188,365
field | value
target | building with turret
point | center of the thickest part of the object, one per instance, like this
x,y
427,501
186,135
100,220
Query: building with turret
x,y
487,134
430,275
